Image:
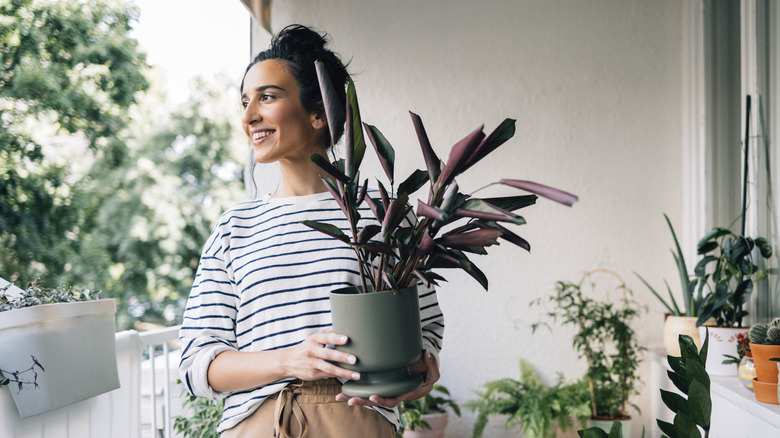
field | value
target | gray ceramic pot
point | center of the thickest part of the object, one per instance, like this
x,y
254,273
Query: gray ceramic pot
x,y
384,334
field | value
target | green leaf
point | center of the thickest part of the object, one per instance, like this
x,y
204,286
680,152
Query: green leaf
x,y
701,267
676,364
700,403
695,372
357,141
688,348
675,402
679,381
669,308
764,247
499,136
512,203
473,207
413,183
334,109
593,432
685,426
616,431
668,428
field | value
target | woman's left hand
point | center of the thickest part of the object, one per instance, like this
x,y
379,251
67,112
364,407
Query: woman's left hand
x,y
427,364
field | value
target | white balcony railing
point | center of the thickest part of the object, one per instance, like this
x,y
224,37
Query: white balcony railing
x,y
144,406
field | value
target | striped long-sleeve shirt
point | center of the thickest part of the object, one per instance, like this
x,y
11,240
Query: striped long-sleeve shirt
x,y
263,284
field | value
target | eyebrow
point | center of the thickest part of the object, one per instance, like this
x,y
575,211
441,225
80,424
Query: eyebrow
x,y
263,88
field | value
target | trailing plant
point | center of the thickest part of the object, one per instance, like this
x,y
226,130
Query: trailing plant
x,y
412,411
692,409
21,378
767,334
605,339
532,404
728,271
394,253
36,295
692,302
206,415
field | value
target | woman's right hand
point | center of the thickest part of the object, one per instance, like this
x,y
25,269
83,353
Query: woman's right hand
x,y
311,360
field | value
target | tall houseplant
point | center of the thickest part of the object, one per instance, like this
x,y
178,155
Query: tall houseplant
x,y
401,249
539,409
606,341
57,347
680,319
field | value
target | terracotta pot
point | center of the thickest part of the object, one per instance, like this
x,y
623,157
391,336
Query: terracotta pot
x,y
438,423
766,370
723,341
679,325
765,392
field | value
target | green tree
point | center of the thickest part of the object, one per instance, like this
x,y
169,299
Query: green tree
x,y
69,70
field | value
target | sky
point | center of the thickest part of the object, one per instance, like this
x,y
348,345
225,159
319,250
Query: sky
x,y
187,38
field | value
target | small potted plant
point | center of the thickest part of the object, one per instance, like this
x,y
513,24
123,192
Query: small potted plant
x,y
427,417
728,272
679,319
765,345
605,339
57,347
400,248
539,409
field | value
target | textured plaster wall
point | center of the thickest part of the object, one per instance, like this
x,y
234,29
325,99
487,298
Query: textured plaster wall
x,y
595,88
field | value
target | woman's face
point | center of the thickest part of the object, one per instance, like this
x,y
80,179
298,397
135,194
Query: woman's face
x,y
275,121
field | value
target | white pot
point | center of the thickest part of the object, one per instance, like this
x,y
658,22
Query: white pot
x,y
74,345
606,425
679,325
438,423
722,341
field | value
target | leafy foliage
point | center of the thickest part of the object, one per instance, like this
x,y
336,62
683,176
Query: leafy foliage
x,y
412,411
398,254
67,68
605,339
728,271
693,408
204,420
692,302
35,295
532,404
101,182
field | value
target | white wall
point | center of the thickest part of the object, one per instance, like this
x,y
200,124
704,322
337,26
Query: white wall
x,y
595,87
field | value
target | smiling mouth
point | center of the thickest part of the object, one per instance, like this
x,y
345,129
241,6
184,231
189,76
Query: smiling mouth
x,y
259,135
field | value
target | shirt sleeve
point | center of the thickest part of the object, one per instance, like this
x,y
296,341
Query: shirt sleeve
x,y
208,327
432,321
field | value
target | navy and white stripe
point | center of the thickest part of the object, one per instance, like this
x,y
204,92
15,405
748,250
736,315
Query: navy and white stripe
x,y
263,284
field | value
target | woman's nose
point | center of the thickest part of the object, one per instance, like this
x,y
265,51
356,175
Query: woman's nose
x,y
251,114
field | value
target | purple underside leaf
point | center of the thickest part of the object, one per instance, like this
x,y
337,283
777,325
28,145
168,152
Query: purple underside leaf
x,y
459,154
426,245
328,229
363,193
367,232
326,165
383,150
334,108
432,161
378,210
394,214
481,237
335,192
499,136
426,210
429,278
506,234
357,148
498,217
542,190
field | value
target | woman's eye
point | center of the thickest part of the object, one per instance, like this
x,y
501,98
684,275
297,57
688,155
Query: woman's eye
x,y
244,104
265,97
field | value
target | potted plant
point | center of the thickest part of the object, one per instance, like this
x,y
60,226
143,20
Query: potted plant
x,y
539,409
765,345
679,319
605,339
728,271
57,347
427,417
399,249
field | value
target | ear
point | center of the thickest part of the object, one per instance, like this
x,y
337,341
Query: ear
x,y
318,121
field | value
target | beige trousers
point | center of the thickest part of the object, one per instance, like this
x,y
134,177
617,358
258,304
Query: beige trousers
x,y
310,410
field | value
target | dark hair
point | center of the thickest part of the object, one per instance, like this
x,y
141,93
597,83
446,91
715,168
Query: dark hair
x,y
299,46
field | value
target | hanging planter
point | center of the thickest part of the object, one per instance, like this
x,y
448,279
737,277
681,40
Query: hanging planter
x,y
384,334
54,355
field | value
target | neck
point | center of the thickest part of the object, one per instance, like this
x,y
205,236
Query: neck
x,y
300,178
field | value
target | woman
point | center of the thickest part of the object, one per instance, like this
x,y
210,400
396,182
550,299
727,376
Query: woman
x,y
256,327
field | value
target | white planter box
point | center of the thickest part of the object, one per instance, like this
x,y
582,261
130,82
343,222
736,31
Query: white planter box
x,y
73,342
